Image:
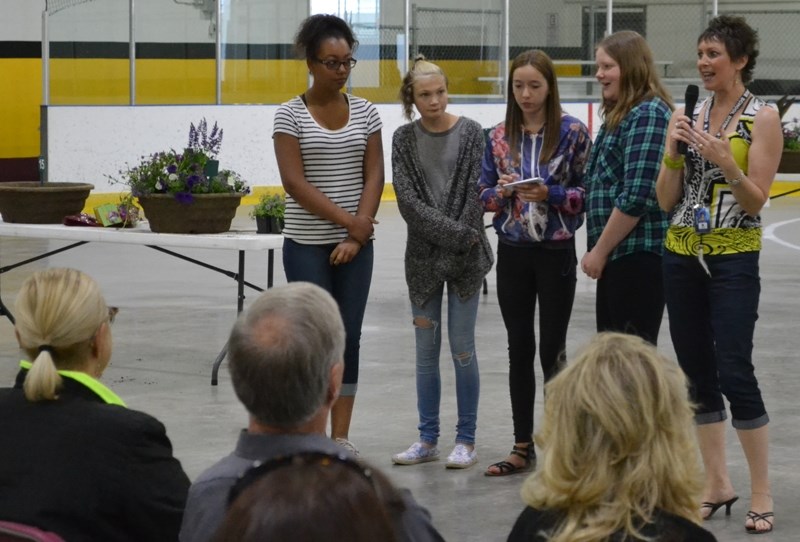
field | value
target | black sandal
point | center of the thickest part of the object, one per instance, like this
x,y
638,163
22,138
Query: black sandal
x,y
505,468
766,517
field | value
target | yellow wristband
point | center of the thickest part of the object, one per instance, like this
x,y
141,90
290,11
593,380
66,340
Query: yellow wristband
x,y
674,164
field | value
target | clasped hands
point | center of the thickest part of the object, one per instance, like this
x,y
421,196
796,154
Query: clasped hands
x,y
359,232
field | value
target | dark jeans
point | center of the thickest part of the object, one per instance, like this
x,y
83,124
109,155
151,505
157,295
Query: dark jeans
x,y
525,274
630,296
348,284
711,321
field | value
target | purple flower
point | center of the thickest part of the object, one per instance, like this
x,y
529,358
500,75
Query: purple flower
x,y
172,168
192,180
184,197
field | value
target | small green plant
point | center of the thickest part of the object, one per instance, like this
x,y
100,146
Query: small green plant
x,y
269,206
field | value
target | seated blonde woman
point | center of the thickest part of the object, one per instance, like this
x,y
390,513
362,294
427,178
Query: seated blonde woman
x,y
74,459
619,458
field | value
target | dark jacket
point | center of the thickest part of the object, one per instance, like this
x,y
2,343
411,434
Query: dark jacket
x,y
665,528
88,470
446,239
208,497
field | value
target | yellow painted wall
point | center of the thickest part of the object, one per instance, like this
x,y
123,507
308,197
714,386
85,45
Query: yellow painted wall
x,y
20,97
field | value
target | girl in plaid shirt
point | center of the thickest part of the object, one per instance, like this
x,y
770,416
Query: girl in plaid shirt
x,y
625,226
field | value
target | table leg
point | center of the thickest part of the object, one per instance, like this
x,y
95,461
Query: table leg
x,y
217,363
239,307
5,312
270,265
3,309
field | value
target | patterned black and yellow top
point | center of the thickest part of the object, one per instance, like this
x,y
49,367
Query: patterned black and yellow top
x,y
733,230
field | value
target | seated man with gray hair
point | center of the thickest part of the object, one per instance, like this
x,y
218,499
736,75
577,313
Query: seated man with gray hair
x,y
285,356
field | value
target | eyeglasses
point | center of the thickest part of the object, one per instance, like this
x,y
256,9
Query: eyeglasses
x,y
334,65
260,468
112,314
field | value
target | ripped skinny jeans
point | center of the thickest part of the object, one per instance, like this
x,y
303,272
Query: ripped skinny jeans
x,y
461,317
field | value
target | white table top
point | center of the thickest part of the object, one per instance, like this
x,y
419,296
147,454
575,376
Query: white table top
x,y
141,235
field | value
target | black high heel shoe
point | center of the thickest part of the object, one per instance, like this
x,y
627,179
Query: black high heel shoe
x,y
714,506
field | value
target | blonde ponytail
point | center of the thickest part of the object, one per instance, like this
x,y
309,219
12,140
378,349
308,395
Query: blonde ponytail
x,y
43,379
58,311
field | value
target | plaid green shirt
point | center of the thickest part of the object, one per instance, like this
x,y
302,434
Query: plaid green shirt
x,y
622,172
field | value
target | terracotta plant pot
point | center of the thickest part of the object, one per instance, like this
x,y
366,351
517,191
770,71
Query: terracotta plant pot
x,y
207,213
269,224
31,202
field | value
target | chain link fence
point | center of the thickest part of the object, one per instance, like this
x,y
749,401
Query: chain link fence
x,y
471,39
568,31
473,68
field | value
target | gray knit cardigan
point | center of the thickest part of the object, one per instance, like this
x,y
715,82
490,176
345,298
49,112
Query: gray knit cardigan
x,y
446,240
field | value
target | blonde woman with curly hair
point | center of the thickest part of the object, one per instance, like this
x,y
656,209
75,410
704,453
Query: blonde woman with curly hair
x,y
619,458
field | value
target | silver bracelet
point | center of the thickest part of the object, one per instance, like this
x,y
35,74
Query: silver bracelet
x,y
736,181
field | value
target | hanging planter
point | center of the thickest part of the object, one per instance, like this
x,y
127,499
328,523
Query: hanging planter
x,y
205,213
32,202
186,192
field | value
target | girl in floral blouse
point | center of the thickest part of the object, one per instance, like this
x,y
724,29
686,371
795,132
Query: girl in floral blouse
x,y
535,225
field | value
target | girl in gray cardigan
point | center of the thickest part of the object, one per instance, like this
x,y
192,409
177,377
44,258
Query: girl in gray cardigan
x,y
436,164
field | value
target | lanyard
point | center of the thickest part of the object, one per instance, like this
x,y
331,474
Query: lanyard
x,y
743,98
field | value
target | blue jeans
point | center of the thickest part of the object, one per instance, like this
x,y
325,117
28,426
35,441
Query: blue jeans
x,y
348,284
461,317
711,321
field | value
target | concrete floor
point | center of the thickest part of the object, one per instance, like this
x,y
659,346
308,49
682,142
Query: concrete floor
x,y
175,316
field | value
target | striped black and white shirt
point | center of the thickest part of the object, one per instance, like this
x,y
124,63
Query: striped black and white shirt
x,y
333,161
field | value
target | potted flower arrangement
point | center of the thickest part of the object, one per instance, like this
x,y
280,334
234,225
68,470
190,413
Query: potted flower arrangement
x,y
790,158
268,213
185,192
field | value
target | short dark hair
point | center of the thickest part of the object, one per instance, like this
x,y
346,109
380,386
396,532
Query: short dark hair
x,y
739,38
317,28
281,351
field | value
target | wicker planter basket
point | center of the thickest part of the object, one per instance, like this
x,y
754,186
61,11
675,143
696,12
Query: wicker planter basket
x,y
790,162
207,213
31,202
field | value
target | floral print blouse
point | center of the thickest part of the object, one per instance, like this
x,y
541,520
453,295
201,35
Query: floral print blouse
x,y
554,220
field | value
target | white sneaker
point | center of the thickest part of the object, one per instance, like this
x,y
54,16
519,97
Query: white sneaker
x,y
461,457
347,445
416,453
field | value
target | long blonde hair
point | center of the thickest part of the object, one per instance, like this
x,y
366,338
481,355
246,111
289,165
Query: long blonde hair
x,y
58,311
618,442
420,68
638,76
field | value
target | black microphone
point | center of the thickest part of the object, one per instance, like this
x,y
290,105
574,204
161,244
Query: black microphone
x,y
692,93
